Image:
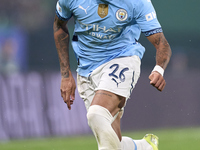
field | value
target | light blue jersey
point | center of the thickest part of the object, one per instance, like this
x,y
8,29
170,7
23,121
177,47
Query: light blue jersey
x,y
107,29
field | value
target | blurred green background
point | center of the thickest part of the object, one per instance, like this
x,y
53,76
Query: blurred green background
x,y
172,139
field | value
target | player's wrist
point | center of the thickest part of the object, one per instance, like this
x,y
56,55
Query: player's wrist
x,y
159,69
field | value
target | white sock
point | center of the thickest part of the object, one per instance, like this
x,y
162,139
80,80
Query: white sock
x,y
100,120
143,145
128,143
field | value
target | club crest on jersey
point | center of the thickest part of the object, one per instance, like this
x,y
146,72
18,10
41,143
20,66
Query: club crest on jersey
x,y
103,10
121,14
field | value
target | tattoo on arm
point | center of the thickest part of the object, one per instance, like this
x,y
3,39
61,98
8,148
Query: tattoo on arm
x,y
61,37
163,52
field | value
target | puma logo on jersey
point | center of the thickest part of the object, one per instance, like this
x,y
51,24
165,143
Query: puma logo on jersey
x,y
83,8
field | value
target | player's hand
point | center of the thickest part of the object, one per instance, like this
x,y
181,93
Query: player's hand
x,y
157,80
67,89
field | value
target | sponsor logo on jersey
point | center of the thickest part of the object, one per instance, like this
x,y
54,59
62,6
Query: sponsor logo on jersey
x,y
150,16
121,15
103,10
100,32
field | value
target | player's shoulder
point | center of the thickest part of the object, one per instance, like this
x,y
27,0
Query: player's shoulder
x,y
66,2
142,4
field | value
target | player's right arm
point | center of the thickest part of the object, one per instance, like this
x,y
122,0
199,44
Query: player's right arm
x,y
61,37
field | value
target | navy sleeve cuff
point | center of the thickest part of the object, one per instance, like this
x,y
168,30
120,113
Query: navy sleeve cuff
x,y
154,31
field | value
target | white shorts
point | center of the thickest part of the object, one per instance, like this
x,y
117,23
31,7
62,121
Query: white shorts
x,y
118,76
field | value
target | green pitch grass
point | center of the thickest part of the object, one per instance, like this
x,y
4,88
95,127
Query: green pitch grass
x,y
169,139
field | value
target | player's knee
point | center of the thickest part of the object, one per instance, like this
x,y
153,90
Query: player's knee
x,y
97,115
90,116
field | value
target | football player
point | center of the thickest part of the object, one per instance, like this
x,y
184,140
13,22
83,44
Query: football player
x,y
105,42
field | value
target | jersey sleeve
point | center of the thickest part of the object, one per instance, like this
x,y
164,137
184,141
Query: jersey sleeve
x,y
63,10
146,18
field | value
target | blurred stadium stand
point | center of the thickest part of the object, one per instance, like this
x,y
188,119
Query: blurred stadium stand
x,y
29,73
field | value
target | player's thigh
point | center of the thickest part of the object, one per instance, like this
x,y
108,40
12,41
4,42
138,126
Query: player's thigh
x,y
103,98
109,100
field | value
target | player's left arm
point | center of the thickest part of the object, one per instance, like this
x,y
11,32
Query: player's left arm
x,y
163,54
146,17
